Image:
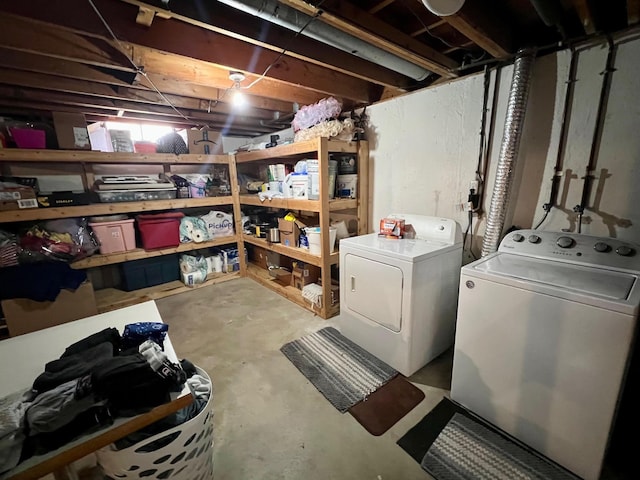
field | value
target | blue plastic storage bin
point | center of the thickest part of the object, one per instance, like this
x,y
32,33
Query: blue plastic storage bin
x,y
148,272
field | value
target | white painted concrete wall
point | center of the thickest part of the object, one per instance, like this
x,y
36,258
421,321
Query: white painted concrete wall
x,y
424,148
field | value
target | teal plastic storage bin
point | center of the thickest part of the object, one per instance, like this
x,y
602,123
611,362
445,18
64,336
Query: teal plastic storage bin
x,y
149,272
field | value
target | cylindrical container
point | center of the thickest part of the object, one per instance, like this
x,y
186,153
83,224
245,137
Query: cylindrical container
x,y
313,235
262,229
333,172
346,165
274,235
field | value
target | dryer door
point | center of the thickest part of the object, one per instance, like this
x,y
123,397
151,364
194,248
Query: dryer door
x,y
374,290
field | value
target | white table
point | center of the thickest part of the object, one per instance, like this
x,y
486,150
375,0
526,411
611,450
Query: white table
x,y
23,358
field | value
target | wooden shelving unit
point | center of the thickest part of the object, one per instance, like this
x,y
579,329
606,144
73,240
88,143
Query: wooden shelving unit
x,y
111,298
320,149
87,162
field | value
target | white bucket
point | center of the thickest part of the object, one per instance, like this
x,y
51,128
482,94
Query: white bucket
x,y
313,236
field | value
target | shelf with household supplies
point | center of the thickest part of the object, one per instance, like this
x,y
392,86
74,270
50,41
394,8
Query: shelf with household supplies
x,y
89,169
278,173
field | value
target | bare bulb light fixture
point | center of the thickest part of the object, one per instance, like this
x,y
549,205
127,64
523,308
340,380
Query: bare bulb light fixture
x,y
238,98
443,8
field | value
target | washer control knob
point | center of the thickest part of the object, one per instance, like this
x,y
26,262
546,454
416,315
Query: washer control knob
x,y
625,251
518,237
565,242
601,247
534,239
440,227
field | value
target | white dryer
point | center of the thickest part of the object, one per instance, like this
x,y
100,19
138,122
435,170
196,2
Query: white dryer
x,y
544,333
398,297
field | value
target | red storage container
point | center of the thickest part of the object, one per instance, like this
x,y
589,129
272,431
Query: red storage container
x,y
160,230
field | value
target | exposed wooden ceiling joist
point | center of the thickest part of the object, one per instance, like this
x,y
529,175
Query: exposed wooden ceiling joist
x,y
17,33
184,39
380,5
481,24
228,21
584,9
31,62
52,101
367,27
40,81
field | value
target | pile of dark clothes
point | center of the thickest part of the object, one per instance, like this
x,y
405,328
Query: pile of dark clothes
x,y
97,379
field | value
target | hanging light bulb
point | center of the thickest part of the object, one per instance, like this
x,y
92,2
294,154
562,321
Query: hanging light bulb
x,y
238,98
443,8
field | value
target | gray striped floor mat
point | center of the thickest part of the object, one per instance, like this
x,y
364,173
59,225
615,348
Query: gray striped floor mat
x,y
342,371
466,450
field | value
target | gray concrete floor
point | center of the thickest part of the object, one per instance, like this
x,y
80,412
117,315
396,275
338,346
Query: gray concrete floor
x,y
270,422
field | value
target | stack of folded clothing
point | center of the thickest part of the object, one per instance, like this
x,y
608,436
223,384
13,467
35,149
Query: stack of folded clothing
x,y
94,381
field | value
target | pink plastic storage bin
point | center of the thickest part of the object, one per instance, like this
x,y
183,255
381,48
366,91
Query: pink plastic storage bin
x,y
115,236
160,230
28,137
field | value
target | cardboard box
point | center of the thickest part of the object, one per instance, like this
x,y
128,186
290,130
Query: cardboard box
x,y
289,232
204,141
71,131
16,198
303,274
263,258
63,199
23,315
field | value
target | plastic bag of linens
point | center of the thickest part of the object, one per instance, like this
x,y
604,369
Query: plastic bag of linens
x,y
193,269
66,239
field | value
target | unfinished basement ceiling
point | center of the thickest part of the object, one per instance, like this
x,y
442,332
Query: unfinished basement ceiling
x,y
59,55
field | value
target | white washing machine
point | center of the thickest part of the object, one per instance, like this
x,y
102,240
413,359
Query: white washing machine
x,y
398,297
544,333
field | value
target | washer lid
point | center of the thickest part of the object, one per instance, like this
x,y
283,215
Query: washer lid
x,y
584,280
402,249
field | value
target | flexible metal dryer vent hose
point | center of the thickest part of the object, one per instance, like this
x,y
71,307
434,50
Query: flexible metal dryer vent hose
x,y
513,125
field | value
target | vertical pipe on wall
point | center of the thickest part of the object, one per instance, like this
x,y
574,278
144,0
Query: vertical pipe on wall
x,y
514,123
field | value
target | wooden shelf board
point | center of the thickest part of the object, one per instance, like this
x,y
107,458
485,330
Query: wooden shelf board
x,y
261,276
286,203
27,214
342,204
301,254
111,298
88,156
139,253
298,148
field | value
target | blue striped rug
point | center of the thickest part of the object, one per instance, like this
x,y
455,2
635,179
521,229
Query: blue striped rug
x,y
342,371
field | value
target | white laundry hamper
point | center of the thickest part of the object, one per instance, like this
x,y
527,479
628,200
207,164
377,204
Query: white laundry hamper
x,y
188,455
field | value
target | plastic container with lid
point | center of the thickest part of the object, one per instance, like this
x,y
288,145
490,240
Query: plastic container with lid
x,y
160,230
115,233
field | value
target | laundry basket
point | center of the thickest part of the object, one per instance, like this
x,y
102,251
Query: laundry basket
x,y
187,453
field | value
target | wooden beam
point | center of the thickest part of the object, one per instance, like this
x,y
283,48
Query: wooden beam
x,y
584,9
18,33
183,39
428,28
379,6
229,21
84,88
48,101
483,26
145,16
633,12
31,62
205,73
367,27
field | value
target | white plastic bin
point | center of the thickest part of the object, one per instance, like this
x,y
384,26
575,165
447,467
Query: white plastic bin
x,y
188,456
313,236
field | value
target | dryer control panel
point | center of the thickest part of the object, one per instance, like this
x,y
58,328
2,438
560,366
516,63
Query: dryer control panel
x,y
574,248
